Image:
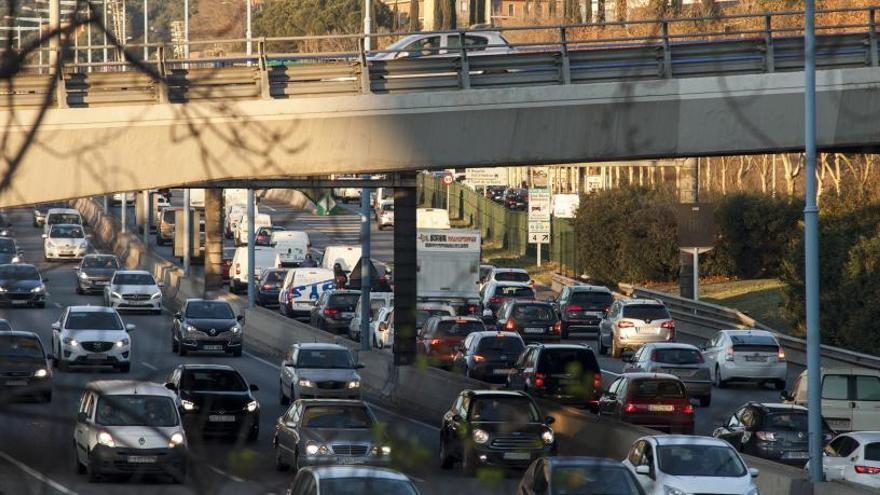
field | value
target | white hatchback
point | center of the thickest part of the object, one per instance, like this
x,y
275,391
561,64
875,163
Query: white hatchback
x,y
65,242
746,355
854,457
685,464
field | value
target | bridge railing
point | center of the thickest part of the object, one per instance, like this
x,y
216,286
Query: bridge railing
x,y
300,66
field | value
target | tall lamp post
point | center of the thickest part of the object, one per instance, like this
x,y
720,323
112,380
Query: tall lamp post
x,y
368,25
248,32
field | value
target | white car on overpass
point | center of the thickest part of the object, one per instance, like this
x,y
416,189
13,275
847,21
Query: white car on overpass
x,y
444,44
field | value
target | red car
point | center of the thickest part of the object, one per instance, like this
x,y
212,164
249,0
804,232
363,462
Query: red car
x,y
654,400
226,261
441,336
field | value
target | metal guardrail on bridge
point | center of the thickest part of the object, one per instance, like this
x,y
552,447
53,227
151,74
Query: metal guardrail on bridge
x,y
296,67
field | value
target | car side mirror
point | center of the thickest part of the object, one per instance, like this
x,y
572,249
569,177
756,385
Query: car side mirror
x,y
45,280
178,315
82,417
170,386
129,327
785,395
754,472
254,387
644,470
56,326
627,358
549,420
239,318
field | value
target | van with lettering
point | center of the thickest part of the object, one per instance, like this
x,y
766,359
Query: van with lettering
x,y
301,288
448,268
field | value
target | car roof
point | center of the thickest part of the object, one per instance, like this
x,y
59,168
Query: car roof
x,y
456,318
671,345
495,393
748,331
530,302
864,436
334,292
500,283
847,371
564,460
589,288
649,376
66,225
485,334
583,346
686,440
199,299
91,309
62,210
319,346
627,302
510,270
100,255
207,366
778,406
332,402
133,272
20,333
331,472
128,387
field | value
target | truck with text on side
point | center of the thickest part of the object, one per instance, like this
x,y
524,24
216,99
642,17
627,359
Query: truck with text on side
x,y
448,268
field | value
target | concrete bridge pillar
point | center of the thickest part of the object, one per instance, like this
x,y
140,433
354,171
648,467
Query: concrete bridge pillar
x,y
688,192
213,239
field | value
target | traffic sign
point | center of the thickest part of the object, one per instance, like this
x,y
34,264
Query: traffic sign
x,y
448,179
539,238
483,177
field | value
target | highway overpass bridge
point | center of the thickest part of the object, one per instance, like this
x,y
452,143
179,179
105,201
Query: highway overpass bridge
x,y
188,122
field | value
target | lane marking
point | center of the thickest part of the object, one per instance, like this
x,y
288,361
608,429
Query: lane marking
x,y
37,475
225,474
611,373
257,358
57,305
149,366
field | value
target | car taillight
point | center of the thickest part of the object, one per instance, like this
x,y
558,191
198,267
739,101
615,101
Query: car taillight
x,y
557,327
597,382
624,324
436,341
510,325
268,286
479,358
688,408
629,407
728,356
539,380
472,308
867,469
330,311
575,307
767,436
780,355
668,324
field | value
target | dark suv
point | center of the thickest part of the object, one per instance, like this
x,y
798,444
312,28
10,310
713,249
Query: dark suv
x,y
582,307
334,310
566,373
24,367
203,325
494,428
773,431
516,199
533,320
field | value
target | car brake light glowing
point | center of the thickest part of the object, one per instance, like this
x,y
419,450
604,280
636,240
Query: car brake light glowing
x,y
624,324
511,326
867,469
780,355
668,324
436,341
539,380
557,327
575,307
268,286
688,408
479,358
472,308
629,408
597,382
330,311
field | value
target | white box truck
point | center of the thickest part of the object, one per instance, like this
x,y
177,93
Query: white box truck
x,y
448,267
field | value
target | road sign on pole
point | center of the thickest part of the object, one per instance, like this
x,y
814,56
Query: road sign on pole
x,y
539,209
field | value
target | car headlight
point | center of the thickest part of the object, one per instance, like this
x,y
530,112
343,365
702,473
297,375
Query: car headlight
x,y
316,449
670,490
354,384
236,329
41,373
252,406
123,343
547,437
381,450
188,405
70,341
115,294
104,438
191,329
38,288
480,436
157,295
83,275
16,259
176,439
305,383
2,289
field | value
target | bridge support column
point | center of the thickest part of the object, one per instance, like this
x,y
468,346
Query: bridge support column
x,y
187,227
405,274
688,192
213,240
123,213
366,264
251,269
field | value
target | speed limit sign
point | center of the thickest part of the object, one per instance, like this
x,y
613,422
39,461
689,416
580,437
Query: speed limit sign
x,y
448,179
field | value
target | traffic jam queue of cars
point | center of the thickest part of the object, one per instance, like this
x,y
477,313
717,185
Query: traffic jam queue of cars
x,y
523,348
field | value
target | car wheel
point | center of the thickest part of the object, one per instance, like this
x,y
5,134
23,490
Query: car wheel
x,y
77,466
446,461
468,463
779,384
282,308
282,399
92,471
718,381
280,465
705,401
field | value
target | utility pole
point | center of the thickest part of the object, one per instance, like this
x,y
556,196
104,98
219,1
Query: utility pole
x,y
187,229
146,32
368,25
106,26
185,28
251,269
249,49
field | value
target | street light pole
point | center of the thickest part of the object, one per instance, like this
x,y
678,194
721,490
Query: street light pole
x,y
811,248
146,31
248,34
104,20
368,25
185,28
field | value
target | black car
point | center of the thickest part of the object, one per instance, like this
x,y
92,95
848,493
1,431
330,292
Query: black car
x,y
22,285
269,286
578,475
516,199
777,432
24,367
495,193
9,252
582,307
533,320
488,356
494,428
334,310
566,373
203,325
94,272
215,399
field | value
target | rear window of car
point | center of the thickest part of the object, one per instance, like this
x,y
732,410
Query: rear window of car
x,y
275,276
496,346
646,312
754,343
346,302
677,356
872,452
591,299
568,361
657,389
517,292
512,277
459,327
789,420
576,480
534,312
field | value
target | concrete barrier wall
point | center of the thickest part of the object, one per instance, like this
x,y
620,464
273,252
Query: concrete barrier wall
x,y
425,392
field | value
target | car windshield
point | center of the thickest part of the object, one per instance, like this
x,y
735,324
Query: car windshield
x,y
700,460
274,276
422,315
107,262
209,310
498,346
504,410
517,292
7,246
343,302
136,410
63,218
512,277
16,346
133,279
67,232
789,420
591,300
459,327
647,312
592,480
213,380
657,389
324,358
19,272
347,417
366,486
568,362
534,312
677,356
93,320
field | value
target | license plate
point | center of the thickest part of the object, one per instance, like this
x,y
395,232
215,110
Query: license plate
x,y
213,347
534,330
142,459
684,374
661,407
16,383
796,455
19,302
101,283
757,359
517,456
504,371
349,460
96,357
224,418
347,316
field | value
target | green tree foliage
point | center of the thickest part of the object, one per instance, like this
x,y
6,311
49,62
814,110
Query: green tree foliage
x,y
317,17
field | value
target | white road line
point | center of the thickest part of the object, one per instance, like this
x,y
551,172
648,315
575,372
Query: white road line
x,y
257,358
225,474
406,418
149,366
37,475
611,373
56,305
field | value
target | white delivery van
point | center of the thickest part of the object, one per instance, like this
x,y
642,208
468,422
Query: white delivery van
x,y
234,197
301,288
291,246
850,398
346,256
264,257
241,233
448,268
68,216
378,300
432,218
